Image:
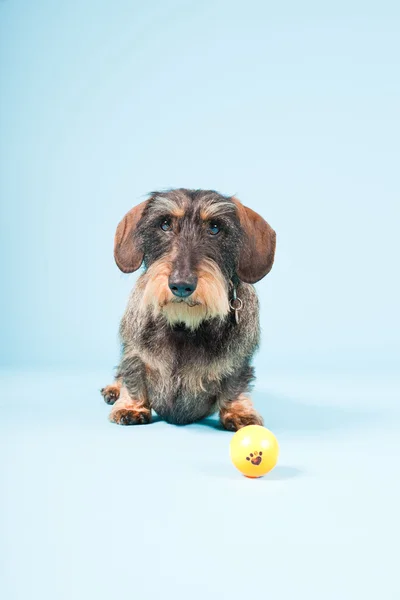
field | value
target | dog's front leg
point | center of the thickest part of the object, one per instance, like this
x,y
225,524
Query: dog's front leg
x,y
111,392
237,413
132,407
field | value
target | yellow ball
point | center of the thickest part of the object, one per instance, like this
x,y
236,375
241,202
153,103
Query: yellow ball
x,y
254,450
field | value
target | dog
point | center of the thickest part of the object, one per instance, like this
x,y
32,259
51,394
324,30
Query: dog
x,y
191,325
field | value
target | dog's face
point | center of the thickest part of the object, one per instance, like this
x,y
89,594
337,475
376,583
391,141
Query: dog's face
x,y
192,244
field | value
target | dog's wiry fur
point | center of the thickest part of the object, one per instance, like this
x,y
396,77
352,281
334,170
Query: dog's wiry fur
x,y
209,300
187,358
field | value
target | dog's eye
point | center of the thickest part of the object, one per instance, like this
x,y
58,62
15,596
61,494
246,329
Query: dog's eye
x,y
166,225
214,228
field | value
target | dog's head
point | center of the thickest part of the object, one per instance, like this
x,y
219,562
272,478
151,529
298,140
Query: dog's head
x,y
193,244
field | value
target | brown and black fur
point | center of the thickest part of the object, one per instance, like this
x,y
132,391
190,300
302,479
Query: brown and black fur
x,y
187,358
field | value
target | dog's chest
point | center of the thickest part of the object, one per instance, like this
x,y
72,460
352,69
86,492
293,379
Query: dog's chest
x,y
183,368
182,388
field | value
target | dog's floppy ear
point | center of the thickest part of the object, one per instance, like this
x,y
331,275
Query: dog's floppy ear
x,y
127,252
258,248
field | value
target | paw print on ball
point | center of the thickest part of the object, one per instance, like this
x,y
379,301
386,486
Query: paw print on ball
x,y
255,458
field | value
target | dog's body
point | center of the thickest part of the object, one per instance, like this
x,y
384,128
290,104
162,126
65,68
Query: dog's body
x,y
191,325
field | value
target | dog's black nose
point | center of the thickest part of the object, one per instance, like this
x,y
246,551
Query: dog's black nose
x,y
182,287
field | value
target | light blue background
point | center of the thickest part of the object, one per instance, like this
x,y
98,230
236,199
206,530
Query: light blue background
x,y
294,107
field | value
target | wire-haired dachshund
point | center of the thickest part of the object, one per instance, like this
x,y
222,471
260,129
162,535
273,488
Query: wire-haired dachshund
x,y
191,326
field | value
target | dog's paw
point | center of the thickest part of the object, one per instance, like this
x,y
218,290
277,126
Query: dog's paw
x,y
110,393
239,413
234,422
131,415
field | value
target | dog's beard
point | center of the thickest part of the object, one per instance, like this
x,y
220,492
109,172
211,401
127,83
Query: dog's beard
x,y
210,299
